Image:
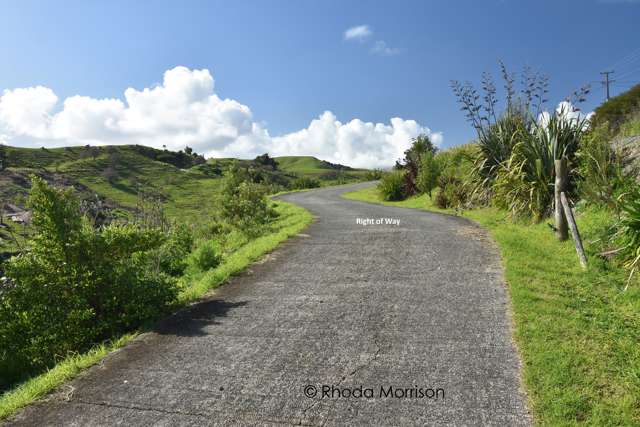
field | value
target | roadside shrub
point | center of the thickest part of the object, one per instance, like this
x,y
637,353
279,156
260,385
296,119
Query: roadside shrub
x,y
172,255
305,182
497,140
392,186
428,174
452,193
206,257
76,285
410,164
245,204
605,172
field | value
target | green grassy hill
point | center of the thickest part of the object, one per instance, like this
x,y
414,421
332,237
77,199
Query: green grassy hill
x,y
122,176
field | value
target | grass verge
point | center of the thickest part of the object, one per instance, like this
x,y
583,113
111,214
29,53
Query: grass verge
x,y
291,220
37,387
577,331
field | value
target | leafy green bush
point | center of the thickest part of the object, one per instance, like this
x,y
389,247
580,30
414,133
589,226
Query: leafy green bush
x,y
172,255
206,257
496,142
244,203
76,285
305,182
392,186
604,171
428,174
452,192
410,164
524,182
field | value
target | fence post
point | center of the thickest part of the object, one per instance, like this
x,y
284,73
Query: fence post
x,y
560,186
574,230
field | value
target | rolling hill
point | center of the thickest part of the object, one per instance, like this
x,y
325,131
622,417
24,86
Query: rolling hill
x,y
120,176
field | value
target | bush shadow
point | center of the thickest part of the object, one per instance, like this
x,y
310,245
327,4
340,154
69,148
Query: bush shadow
x,y
193,320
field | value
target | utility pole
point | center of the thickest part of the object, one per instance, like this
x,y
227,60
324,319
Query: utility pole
x,y
606,81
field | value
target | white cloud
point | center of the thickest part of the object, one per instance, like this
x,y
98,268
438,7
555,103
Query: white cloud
x,y
360,33
567,111
184,110
380,48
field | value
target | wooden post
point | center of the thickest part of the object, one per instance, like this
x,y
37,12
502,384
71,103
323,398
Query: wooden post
x,y
574,230
560,186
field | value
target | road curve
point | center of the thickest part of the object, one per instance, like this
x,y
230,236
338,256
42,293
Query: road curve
x,y
420,307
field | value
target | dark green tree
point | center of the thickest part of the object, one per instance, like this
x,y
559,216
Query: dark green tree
x,y
266,160
411,162
429,173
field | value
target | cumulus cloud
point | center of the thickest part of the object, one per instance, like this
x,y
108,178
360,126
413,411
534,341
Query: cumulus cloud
x,y
359,33
568,112
185,110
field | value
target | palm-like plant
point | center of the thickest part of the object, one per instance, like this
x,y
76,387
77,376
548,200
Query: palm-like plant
x,y
524,183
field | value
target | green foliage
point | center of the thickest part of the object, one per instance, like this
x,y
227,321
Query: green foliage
x,y
172,255
244,203
76,285
496,142
265,160
523,183
305,182
206,257
290,221
631,127
604,171
452,194
392,186
617,110
373,175
628,230
428,173
411,162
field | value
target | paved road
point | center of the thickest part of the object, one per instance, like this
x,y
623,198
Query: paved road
x,y
419,305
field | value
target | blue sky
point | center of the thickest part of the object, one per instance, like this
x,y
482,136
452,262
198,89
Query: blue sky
x,y
288,61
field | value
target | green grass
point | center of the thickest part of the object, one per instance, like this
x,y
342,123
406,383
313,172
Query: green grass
x,y
38,386
577,331
315,168
241,253
291,220
631,127
117,173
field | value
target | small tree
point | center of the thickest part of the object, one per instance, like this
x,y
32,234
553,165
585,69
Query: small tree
x,y
428,173
411,162
266,160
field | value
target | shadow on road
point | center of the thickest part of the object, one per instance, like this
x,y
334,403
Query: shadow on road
x,y
193,320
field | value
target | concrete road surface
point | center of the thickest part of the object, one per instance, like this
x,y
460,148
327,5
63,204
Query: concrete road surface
x,y
374,316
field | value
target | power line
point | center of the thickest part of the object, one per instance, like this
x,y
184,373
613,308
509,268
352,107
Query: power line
x,y
629,59
628,73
